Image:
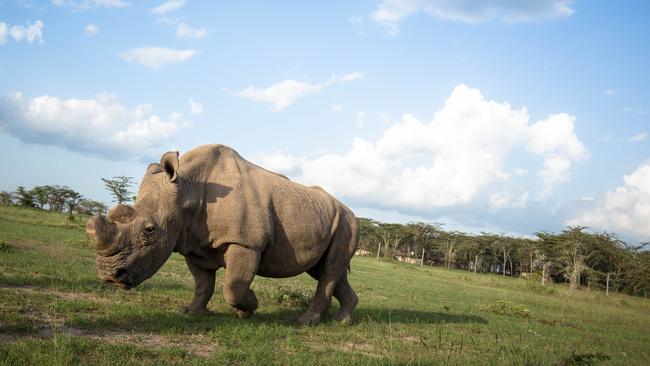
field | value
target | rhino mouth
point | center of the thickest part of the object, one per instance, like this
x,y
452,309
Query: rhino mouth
x,y
121,278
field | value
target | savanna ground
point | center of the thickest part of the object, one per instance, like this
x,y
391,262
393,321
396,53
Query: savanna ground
x,y
54,311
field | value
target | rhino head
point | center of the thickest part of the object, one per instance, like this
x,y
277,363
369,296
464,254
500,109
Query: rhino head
x,y
132,243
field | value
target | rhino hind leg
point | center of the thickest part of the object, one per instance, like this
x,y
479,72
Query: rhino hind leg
x,y
204,280
331,272
348,299
241,266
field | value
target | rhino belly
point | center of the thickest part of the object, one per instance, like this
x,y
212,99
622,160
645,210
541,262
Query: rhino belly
x,y
286,259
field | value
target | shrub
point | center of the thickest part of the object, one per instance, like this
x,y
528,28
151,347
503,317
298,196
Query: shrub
x,y
584,359
292,297
4,246
507,308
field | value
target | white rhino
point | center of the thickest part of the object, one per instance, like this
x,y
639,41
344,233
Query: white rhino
x,y
219,210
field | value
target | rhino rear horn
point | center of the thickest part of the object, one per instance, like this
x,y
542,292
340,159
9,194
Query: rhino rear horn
x,y
169,162
122,214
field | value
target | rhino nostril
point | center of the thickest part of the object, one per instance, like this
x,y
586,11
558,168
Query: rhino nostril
x,y
120,274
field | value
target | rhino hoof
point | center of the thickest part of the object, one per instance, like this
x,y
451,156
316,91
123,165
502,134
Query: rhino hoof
x,y
192,311
243,314
309,319
344,319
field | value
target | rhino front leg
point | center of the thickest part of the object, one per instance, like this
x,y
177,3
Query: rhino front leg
x,y
204,288
241,267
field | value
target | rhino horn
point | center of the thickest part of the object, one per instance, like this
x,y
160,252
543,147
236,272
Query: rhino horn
x,y
122,214
100,232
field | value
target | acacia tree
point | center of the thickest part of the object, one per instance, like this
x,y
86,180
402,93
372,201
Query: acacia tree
x,y
42,195
90,207
6,198
25,197
72,200
119,188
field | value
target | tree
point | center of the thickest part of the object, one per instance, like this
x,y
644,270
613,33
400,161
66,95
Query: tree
x,y
25,197
42,195
119,188
6,198
90,207
72,199
56,197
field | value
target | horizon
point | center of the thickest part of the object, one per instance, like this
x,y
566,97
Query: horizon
x,y
508,117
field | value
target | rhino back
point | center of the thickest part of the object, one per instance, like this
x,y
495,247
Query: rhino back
x,y
250,206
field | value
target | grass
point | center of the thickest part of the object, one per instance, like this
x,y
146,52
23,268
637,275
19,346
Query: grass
x,y
53,311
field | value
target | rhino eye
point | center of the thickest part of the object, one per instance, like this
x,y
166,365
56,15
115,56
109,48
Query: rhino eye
x,y
149,229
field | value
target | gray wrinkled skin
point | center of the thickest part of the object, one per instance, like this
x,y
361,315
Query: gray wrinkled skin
x,y
220,211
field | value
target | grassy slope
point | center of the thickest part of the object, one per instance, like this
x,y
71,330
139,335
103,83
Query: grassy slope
x,y
54,311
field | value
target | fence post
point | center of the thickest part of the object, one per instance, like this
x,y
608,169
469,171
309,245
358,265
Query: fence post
x,y
422,260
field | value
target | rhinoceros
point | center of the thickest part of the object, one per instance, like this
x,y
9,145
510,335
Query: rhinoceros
x,y
220,211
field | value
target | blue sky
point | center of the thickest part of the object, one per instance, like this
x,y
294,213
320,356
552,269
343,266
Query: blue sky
x,y
502,116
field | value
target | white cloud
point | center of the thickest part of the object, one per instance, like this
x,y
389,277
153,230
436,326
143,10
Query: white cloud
x,y
195,107
278,161
337,108
625,210
87,4
101,126
639,109
391,12
30,33
357,24
285,93
91,30
168,6
351,77
555,140
157,57
610,92
638,138
457,159
185,31
361,118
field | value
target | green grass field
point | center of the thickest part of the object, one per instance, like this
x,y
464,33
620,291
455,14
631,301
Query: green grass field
x,y
54,311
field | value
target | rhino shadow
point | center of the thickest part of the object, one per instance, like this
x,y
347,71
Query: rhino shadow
x,y
163,321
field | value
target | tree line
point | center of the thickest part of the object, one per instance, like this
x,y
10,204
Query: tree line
x,y
54,198
575,255
65,199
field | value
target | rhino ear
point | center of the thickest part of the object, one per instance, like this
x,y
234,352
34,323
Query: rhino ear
x,y
169,162
154,168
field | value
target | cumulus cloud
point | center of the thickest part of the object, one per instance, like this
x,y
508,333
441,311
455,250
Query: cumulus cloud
x,y
195,107
29,33
457,159
624,210
168,6
285,93
391,12
157,57
361,118
101,126
91,30
357,24
638,138
185,31
88,4
338,108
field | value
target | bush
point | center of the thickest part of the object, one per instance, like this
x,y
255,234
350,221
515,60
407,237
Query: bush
x,y
4,246
293,297
584,359
507,308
